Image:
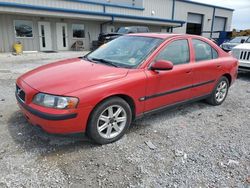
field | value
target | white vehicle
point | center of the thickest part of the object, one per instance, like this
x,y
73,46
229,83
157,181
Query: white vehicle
x,y
242,53
227,46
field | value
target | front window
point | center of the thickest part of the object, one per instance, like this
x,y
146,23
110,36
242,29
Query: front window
x,y
177,52
23,28
78,31
126,51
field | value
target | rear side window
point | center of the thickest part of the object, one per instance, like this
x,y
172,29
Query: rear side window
x,y
203,51
177,52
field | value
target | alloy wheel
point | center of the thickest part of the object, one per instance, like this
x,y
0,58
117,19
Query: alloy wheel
x,y
112,121
221,91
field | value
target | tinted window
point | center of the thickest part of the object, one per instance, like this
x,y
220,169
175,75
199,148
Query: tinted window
x,y
177,52
23,28
78,31
203,51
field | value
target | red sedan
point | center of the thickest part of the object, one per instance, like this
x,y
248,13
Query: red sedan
x,y
131,76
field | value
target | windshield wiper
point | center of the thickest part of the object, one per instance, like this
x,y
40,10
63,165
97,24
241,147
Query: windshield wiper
x,y
86,58
104,61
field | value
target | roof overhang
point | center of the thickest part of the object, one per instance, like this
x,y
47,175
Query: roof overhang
x,y
148,22
73,13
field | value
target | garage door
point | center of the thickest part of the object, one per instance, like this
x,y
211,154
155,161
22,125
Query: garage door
x,y
194,24
219,24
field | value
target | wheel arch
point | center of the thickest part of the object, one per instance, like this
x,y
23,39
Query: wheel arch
x,y
125,97
229,77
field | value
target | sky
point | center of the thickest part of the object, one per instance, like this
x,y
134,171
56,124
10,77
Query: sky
x,y
241,15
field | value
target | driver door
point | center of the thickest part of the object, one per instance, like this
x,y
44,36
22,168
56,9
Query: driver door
x,y
172,86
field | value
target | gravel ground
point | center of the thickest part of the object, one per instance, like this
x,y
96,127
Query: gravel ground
x,y
195,145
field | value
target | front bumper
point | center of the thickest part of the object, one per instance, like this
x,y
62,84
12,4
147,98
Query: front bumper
x,y
244,65
52,120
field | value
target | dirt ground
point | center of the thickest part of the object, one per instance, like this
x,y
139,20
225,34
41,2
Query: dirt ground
x,y
196,145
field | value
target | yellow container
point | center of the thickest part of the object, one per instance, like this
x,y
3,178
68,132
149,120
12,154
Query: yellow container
x,y
18,47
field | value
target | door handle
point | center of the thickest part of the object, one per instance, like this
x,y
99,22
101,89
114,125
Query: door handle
x,y
218,66
189,71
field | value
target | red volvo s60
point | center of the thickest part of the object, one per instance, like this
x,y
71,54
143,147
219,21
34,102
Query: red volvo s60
x,y
131,76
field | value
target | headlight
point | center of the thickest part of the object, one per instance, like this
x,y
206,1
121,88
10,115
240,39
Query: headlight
x,y
53,101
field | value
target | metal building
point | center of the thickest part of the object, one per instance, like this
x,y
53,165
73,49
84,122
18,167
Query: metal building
x,y
54,25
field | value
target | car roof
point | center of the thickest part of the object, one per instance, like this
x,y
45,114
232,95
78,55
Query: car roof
x,y
158,35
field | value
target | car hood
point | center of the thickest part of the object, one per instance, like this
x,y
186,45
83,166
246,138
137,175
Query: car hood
x,y
243,46
231,44
70,75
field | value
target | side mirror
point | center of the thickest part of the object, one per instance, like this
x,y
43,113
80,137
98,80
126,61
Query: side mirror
x,y
242,41
162,65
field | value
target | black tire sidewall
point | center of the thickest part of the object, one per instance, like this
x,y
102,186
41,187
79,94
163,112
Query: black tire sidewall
x,y
92,131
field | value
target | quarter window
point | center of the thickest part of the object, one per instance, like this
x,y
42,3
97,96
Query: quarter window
x,y
177,52
78,31
23,28
203,51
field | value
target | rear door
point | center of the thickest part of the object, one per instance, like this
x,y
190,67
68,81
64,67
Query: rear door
x,y
206,67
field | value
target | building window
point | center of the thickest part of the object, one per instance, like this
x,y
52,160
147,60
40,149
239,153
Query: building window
x,y
78,31
23,28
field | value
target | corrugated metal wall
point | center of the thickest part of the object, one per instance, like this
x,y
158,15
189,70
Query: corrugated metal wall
x,y
8,34
161,8
117,10
157,8
60,4
8,37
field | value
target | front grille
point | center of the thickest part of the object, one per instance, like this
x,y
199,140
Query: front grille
x,y
245,55
20,93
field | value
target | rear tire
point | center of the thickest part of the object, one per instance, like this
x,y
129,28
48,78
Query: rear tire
x,y
109,120
219,93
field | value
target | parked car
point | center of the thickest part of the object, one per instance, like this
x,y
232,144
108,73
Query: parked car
x,y
242,53
129,77
106,37
227,46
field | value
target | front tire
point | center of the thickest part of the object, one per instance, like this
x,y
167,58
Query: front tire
x,y
109,120
220,92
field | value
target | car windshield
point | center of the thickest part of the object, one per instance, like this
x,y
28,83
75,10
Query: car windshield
x,y
125,51
248,40
237,39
